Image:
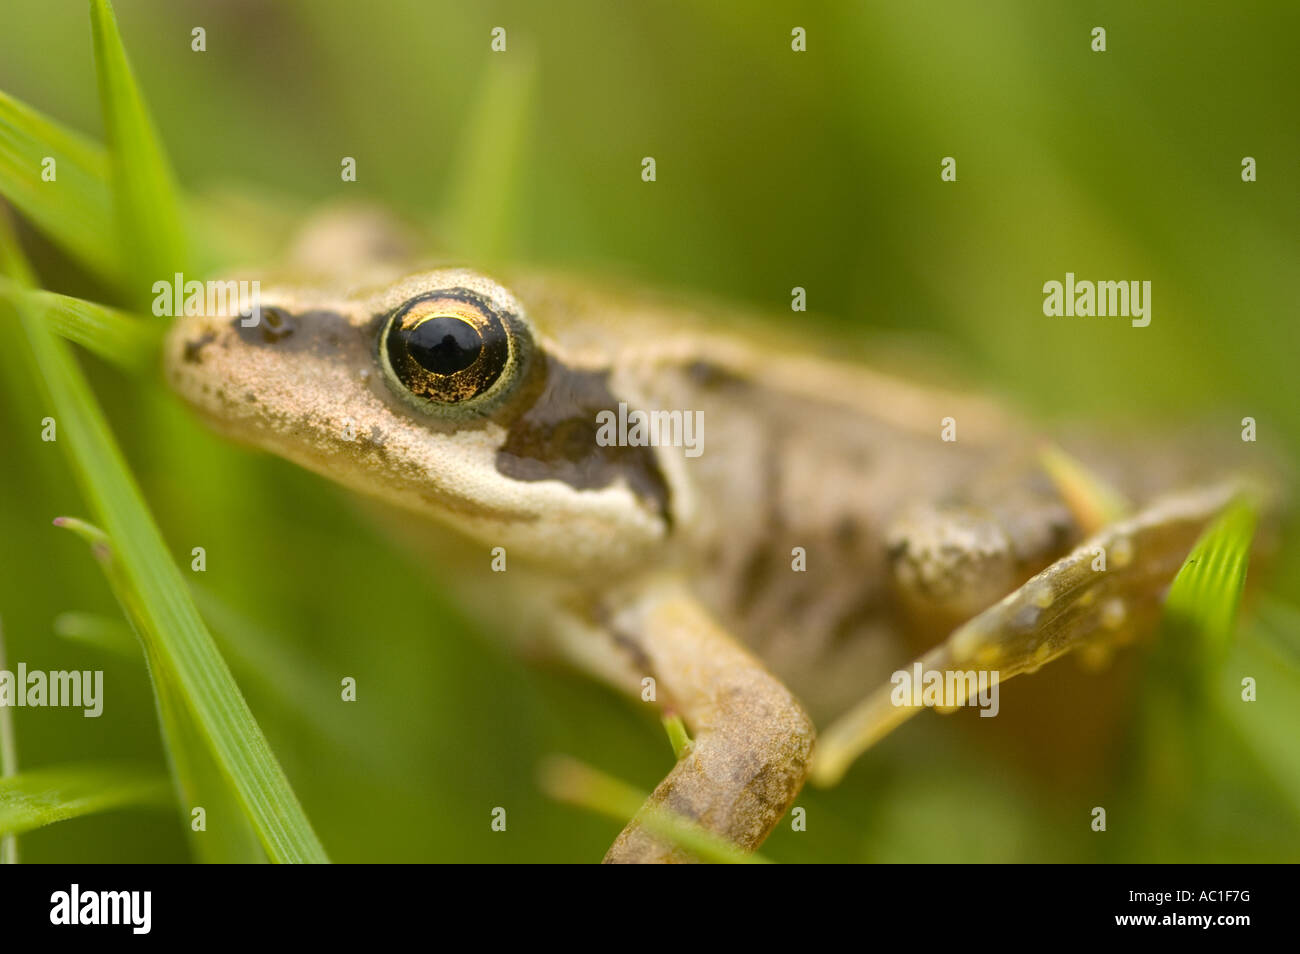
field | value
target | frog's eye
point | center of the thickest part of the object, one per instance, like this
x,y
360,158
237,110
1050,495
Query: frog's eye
x,y
449,348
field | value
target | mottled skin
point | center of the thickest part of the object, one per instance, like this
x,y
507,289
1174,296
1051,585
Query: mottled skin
x,y
640,562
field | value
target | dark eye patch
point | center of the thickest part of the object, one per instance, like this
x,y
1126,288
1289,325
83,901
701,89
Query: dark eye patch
x,y
555,439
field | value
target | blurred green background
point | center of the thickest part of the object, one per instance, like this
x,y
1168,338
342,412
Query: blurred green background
x,y
775,169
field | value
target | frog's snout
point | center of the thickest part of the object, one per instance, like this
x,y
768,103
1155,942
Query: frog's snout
x,y
208,362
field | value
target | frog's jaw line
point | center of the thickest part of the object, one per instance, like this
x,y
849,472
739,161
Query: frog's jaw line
x,y
585,547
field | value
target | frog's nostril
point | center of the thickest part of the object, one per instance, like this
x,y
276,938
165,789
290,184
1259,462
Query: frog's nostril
x,y
276,323
192,348
267,325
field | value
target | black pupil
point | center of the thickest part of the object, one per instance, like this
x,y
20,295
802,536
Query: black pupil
x,y
444,345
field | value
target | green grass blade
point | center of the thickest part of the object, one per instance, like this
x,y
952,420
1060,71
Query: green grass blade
x,y
196,776
215,720
678,737
293,679
1188,751
482,184
44,796
113,335
1094,503
570,781
167,614
1201,609
146,200
1266,725
102,632
13,263
76,209
177,642
228,836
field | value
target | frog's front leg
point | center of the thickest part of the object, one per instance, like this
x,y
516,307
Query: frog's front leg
x,y
752,741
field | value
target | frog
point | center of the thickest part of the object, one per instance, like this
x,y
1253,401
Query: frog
x,y
838,522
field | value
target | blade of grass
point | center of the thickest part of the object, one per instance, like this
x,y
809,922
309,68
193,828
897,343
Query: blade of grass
x,y
482,184
1280,621
181,647
293,679
1093,502
169,622
101,632
678,738
568,780
13,263
197,778
146,201
227,835
187,671
1201,610
75,209
1183,712
1267,725
113,335
41,797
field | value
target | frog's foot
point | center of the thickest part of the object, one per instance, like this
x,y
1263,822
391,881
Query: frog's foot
x,y
752,739
1105,592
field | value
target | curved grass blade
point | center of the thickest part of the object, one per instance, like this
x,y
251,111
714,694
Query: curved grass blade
x,y
197,778
570,781
482,185
1093,502
677,735
1183,724
1266,724
182,647
177,643
293,678
102,632
228,836
75,209
113,335
1201,609
14,268
41,797
146,201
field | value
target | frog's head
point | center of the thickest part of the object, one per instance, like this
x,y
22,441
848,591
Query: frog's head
x,y
438,394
